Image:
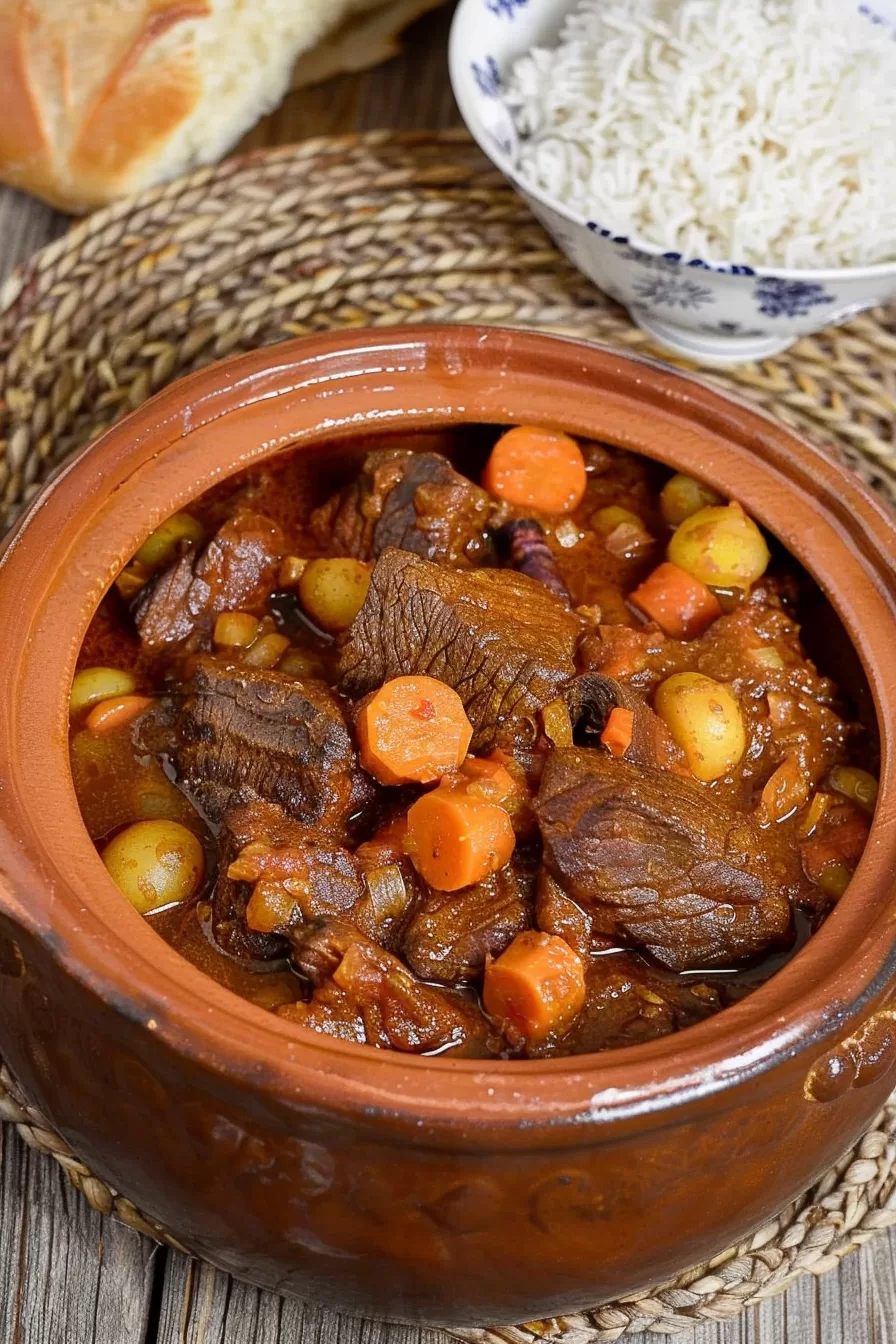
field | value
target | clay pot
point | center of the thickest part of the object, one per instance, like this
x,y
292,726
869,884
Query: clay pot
x,y
428,1190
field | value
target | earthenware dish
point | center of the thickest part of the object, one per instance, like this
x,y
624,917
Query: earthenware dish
x,y
432,1190
714,312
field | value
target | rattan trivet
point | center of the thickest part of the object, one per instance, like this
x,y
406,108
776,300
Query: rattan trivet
x,y
379,230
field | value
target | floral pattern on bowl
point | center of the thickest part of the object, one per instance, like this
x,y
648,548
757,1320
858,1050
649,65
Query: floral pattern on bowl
x,y
717,312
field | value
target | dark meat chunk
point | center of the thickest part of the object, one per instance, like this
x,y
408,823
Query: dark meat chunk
x,y
245,824
501,640
363,993
530,554
658,862
590,700
558,913
303,874
259,734
413,501
452,933
235,571
628,1002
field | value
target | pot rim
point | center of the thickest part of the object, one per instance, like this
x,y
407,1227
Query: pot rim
x,y
89,521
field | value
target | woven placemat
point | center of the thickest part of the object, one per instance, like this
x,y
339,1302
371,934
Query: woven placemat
x,y
379,230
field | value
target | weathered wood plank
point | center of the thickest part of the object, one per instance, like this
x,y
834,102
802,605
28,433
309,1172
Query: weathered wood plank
x,y
67,1276
25,225
201,1306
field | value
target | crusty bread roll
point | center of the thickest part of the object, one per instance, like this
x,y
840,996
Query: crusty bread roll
x,y
99,98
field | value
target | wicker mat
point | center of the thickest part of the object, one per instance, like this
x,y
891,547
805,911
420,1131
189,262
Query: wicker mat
x,y
379,230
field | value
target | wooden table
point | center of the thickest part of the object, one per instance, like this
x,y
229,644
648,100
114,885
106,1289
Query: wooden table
x,y
69,1277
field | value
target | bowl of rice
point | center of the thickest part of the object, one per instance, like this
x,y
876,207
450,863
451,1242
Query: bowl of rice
x,y
726,169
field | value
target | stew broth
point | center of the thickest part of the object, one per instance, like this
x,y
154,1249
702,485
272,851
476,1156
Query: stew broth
x,y
431,767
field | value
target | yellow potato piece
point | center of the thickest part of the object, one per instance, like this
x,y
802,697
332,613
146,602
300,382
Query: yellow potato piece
x,y
721,547
155,863
333,592
93,684
705,720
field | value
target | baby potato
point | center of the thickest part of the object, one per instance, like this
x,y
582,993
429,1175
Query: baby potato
x,y
705,720
93,684
682,496
159,547
155,863
333,592
720,546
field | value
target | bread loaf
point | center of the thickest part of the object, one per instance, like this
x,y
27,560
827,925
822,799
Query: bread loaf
x,y
99,98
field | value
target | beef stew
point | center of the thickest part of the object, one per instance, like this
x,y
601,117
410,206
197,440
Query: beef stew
x,y
441,752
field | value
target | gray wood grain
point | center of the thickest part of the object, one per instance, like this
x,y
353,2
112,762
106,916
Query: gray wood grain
x,y
67,1276
201,1306
70,1277
25,225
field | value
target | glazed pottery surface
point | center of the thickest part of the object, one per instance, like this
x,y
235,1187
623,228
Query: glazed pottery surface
x,y
432,1190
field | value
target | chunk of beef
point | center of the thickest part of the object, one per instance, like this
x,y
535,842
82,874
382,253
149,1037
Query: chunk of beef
x,y
557,913
245,824
628,1002
235,571
452,933
302,875
590,700
413,501
259,734
366,994
501,640
658,862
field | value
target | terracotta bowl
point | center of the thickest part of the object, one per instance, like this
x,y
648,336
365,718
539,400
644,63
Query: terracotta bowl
x,y
426,1190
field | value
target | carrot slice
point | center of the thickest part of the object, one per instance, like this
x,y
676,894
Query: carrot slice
x,y
455,839
412,731
111,714
618,730
680,605
537,469
536,987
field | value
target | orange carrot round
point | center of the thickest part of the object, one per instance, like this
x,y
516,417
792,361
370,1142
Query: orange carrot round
x,y
536,987
538,469
680,605
455,839
412,731
111,714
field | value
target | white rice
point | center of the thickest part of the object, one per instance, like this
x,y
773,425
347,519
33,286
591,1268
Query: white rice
x,y
757,131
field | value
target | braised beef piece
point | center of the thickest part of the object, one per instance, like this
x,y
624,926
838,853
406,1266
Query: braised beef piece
x,y
592,697
310,875
364,993
658,862
557,913
628,1002
245,823
413,501
235,571
452,933
501,640
260,734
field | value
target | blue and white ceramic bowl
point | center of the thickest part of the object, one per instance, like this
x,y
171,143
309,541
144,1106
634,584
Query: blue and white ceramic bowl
x,y
714,312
